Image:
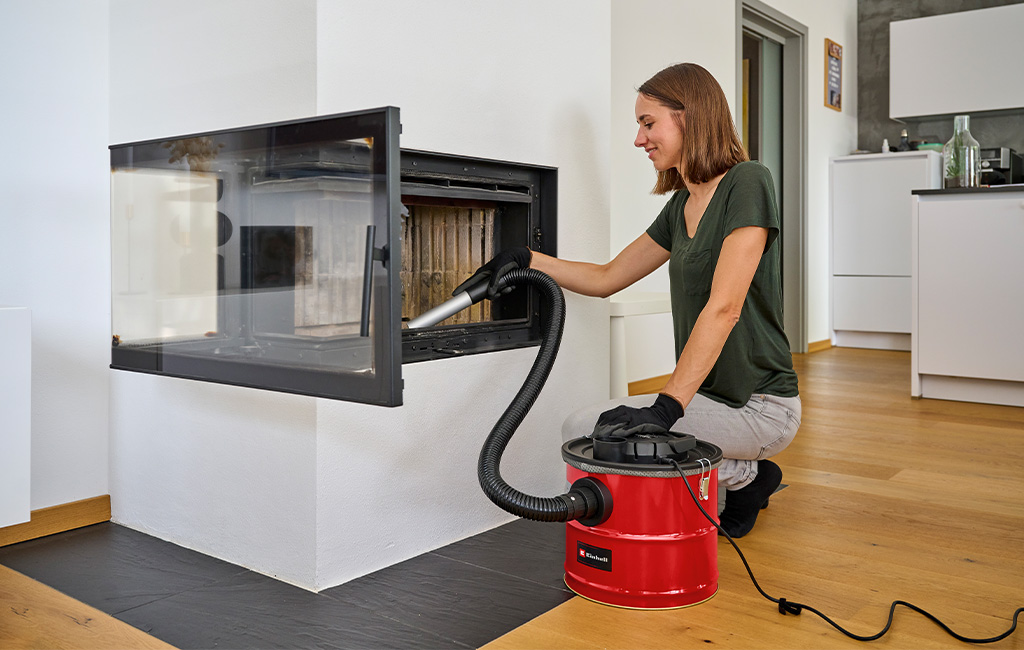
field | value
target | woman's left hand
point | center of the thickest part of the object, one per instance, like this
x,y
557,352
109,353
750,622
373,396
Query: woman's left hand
x,y
663,413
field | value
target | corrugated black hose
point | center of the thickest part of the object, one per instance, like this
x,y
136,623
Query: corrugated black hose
x,y
586,499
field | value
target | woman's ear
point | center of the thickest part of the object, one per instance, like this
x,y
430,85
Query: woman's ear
x,y
679,117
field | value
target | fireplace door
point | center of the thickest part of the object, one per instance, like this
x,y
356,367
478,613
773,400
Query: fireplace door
x,y
263,256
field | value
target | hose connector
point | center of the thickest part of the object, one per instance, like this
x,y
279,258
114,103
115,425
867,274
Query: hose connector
x,y
588,501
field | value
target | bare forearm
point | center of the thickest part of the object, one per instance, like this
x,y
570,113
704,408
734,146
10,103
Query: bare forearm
x,y
579,277
602,280
700,354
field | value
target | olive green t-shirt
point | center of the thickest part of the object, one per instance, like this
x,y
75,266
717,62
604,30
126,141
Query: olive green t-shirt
x,y
756,356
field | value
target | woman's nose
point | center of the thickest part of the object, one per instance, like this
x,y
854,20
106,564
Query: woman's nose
x,y
640,138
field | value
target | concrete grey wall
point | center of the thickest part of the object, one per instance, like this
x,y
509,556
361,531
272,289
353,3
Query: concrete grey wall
x,y
997,129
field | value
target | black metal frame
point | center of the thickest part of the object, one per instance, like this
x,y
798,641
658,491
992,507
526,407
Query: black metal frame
x,y
395,172
534,186
384,385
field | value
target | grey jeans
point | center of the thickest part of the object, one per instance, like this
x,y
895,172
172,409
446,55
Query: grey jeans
x,y
759,429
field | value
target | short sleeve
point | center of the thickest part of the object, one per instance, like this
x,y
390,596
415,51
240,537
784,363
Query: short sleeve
x,y
661,230
752,201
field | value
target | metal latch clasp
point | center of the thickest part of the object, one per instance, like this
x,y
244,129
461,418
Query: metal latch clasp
x,y
705,478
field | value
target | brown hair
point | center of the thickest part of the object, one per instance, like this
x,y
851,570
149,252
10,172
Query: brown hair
x,y
710,143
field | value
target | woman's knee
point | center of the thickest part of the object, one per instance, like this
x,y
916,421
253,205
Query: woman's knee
x,y
788,424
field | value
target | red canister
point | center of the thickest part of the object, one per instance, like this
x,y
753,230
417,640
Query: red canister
x,y
656,550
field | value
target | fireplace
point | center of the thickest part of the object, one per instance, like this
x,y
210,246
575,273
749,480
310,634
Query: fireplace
x,y
287,256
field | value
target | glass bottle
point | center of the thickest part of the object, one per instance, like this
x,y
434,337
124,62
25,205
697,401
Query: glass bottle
x,y
904,144
961,161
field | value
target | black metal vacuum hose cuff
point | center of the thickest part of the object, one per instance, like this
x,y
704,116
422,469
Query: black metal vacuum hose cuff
x,y
587,500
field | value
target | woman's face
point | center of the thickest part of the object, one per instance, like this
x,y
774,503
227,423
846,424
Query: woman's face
x,y
659,135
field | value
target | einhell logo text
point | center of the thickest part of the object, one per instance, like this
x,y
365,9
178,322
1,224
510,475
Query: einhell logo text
x,y
593,556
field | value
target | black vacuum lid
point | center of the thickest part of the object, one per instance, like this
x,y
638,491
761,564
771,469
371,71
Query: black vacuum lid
x,y
641,453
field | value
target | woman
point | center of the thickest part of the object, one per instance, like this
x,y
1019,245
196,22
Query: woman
x,y
733,384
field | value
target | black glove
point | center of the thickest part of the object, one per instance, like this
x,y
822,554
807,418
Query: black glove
x,y
505,261
624,420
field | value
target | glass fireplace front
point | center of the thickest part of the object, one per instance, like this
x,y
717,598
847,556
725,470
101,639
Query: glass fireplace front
x,y
286,256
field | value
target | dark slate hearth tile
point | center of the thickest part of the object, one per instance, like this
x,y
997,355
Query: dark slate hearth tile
x,y
530,550
113,568
461,596
253,611
452,599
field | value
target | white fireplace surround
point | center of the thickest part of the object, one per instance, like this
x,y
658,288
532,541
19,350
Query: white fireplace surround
x,y
316,492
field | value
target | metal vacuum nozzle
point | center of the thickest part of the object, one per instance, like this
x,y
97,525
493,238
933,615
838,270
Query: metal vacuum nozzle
x,y
472,295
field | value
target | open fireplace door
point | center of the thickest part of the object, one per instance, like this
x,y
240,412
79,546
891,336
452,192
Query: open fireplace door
x,y
264,256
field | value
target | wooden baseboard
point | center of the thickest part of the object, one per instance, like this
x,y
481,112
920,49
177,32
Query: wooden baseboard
x,y
57,519
648,386
818,346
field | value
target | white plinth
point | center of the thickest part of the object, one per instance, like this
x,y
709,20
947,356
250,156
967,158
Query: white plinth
x,y
15,414
651,312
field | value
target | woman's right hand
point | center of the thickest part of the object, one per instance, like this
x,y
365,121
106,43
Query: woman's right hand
x,y
661,415
505,261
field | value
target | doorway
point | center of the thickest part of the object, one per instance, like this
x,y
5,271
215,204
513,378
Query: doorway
x,y
771,85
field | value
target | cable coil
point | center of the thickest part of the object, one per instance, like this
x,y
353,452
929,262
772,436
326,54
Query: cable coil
x,y
789,607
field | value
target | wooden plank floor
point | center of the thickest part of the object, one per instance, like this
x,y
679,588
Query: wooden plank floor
x,y
889,498
34,616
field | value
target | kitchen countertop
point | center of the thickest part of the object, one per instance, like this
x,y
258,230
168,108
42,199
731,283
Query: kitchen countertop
x,y
1018,187
892,155
638,303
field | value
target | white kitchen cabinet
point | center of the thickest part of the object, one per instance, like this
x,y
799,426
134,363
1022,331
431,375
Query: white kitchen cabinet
x,y
875,304
870,249
968,288
935,63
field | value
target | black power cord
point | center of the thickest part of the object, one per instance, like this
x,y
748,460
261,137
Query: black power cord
x,y
788,607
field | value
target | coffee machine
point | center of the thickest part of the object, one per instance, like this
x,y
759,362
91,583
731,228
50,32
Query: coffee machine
x,y
1001,166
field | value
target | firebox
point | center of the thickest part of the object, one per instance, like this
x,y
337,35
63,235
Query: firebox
x,y
287,256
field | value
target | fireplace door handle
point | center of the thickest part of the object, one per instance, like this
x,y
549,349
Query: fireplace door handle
x,y
364,320
372,254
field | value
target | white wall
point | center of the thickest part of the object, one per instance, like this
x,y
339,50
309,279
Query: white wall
x,y
348,488
56,252
190,66
648,35
525,81
522,80
225,470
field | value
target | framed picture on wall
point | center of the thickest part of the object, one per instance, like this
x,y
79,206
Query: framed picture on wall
x,y
833,75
